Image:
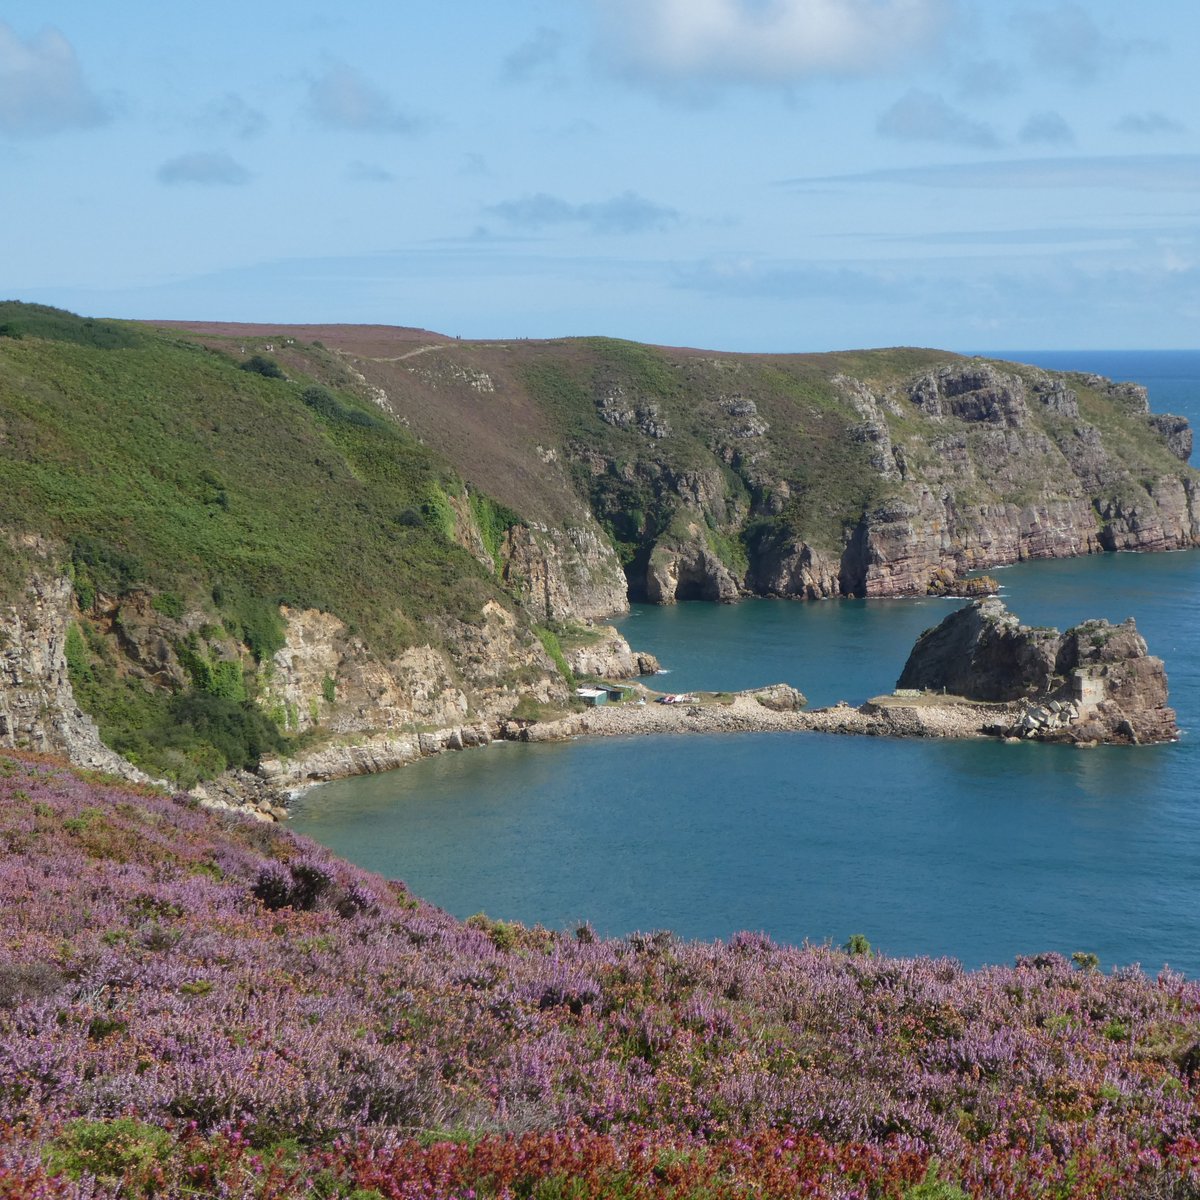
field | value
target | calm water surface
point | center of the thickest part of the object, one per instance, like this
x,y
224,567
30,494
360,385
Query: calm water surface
x,y
977,850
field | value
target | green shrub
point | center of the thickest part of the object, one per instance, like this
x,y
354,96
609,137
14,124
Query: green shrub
x,y
858,944
98,564
79,667
242,732
263,366
325,404
113,1151
169,604
504,935
493,520
932,1188
258,623
553,647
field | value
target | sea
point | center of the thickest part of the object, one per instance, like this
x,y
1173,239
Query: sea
x,y
975,850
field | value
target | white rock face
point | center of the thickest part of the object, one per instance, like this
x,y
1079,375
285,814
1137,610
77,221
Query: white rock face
x,y
37,705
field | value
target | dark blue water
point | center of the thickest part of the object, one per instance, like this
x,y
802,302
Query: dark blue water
x,y
973,849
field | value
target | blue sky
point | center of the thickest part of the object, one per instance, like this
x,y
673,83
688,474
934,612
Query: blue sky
x,y
735,174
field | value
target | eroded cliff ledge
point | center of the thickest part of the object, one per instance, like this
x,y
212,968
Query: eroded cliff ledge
x,y
1095,683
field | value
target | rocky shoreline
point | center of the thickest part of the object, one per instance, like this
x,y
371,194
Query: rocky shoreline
x,y
980,673
775,709
745,712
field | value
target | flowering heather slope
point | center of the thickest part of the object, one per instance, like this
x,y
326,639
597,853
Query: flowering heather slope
x,y
192,1005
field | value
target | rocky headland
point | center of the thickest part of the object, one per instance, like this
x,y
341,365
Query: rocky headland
x,y
1095,683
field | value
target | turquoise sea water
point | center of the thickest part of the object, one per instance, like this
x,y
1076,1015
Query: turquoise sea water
x,y
976,850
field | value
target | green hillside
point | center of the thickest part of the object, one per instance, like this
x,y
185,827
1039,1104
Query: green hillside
x,y
159,465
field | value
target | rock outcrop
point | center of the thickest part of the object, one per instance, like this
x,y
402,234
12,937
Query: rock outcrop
x,y
569,573
602,651
689,572
1095,683
38,710
326,677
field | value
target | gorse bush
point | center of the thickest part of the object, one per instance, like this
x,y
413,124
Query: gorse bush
x,y
111,1151
266,367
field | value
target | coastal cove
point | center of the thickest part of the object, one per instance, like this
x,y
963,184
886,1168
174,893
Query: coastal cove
x,y
973,849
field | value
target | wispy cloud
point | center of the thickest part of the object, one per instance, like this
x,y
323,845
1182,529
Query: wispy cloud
x,y
231,114
1148,124
627,213
208,169
1133,172
368,172
1047,128
926,117
1065,41
533,55
764,41
42,87
343,98
750,277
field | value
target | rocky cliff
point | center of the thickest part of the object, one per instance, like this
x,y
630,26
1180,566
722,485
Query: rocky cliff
x,y
714,476
600,650
1095,683
38,709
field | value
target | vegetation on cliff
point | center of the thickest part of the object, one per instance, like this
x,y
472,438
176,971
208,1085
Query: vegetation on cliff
x,y
160,468
195,1005
871,472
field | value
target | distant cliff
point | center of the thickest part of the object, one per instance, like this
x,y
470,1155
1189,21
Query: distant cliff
x,y
712,476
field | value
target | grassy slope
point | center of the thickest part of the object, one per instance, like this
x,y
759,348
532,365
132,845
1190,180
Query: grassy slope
x,y
159,464
204,473
192,1005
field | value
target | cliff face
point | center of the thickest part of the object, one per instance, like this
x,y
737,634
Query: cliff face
x,y
1095,683
996,434
37,704
562,574
714,476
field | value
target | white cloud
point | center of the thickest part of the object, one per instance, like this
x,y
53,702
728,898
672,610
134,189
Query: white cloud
x,y
1048,128
1132,172
765,41
215,169
533,55
925,117
342,98
627,213
42,88
1146,124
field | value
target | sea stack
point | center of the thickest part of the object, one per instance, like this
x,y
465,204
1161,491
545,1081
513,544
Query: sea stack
x,y
1095,683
